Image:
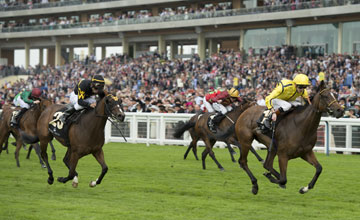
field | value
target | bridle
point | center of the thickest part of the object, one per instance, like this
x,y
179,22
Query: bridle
x,y
108,112
332,102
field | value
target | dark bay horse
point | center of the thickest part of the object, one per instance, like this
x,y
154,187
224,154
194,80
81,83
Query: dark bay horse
x,y
295,136
85,137
198,129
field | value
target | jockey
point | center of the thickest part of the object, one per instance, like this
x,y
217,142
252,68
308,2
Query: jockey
x,y
222,104
82,96
208,99
25,99
284,96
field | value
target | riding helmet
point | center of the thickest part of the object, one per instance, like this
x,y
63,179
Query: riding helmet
x,y
301,79
36,93
98,81
233,92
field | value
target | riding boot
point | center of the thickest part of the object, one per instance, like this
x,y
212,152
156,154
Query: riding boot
x,y
16,118
211,124
218,118
66,114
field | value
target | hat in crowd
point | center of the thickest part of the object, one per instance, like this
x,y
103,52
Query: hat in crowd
x,y
148,99
357,103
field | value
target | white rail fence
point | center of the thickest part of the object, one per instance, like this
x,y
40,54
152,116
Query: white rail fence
x,y
334,135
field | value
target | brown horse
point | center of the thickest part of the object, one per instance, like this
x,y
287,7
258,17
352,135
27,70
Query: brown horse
x,y
295,136
28,123
199,129
85,137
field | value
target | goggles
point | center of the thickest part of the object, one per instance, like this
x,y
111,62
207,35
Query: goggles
x,y
301,87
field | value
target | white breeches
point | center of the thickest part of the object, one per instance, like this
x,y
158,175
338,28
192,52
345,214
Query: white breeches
x,y
285,105
220,108
74,101
19,102
208,106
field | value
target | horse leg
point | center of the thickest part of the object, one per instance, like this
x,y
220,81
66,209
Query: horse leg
x,y
212,155
74,158
194,148
268,165
29,152
99,156
231,151
44,155
283,162
66,160
311,158
37,150
53,156
256,155
243,164
203,157
17,150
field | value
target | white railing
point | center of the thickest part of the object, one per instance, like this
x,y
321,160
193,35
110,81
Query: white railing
x,y
334,135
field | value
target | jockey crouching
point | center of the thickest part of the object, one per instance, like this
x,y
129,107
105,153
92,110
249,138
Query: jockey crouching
x,y
83,95
282,98
221,103
24,99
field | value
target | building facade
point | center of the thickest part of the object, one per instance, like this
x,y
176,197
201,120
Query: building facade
x,y
317,27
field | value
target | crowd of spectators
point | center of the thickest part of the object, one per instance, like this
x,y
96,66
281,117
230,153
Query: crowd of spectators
x,y
152,83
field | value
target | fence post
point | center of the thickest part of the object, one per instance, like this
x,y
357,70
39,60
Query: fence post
x,y
107,132
327,135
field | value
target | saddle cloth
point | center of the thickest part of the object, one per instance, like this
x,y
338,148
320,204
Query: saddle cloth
x,y
60,129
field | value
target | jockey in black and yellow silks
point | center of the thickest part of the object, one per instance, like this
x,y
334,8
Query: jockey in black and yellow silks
x,y
83,95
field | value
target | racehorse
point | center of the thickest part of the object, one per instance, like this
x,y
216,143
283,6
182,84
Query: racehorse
x,y
199,129
27,123
295,136
84,137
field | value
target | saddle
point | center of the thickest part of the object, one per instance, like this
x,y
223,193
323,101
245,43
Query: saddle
x,y
60,129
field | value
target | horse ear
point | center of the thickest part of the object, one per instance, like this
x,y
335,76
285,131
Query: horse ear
x,y
322,85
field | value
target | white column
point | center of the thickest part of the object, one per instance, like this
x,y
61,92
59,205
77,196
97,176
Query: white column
x,y
340,30
161,45
57,52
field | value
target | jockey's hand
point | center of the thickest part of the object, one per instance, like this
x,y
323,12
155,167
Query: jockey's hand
x,y
36,101
274,116
93,105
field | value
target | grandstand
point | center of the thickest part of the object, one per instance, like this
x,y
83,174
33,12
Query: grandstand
x,y
57,27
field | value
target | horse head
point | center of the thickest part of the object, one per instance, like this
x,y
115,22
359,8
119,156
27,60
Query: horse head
x,y
44,103
113,108
326,101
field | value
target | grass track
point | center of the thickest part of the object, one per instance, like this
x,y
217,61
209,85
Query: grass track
x,y
156,183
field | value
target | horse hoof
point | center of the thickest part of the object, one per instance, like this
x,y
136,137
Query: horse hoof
x,y
262,161
234,161
53,157
303,190
43,165
255,190
61,179
92,183
222,169
75,184
282,186
50,181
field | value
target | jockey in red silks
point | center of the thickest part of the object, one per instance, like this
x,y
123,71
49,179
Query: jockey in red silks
x,y
221,103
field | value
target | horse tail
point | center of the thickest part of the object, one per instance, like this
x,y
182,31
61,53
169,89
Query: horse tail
x,y
182,127
226,134
28,139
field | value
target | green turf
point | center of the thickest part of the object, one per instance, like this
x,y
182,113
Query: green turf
x,y
156,183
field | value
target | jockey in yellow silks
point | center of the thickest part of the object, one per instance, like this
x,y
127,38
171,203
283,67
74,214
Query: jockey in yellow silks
x,y
286,95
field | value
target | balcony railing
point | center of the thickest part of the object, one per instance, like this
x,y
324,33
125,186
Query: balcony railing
x,y
42,5
184,17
